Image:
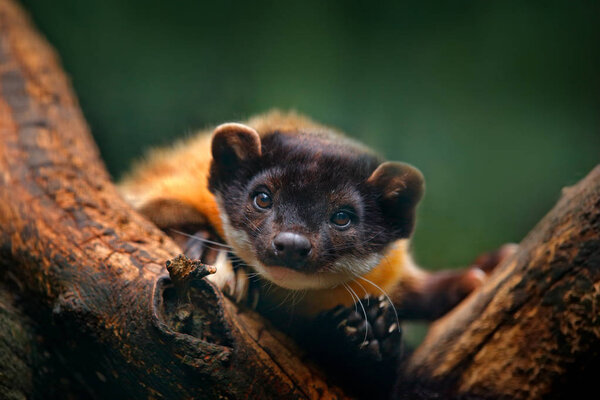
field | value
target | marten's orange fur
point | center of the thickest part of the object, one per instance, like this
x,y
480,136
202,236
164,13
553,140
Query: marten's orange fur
x,y
175,179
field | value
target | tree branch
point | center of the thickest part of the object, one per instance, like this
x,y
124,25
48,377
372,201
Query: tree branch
x,y
533,330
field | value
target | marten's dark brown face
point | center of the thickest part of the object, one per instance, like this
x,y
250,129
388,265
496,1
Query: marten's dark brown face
x,y
309,211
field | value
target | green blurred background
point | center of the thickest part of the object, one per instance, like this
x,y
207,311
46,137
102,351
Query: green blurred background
x,y
496,102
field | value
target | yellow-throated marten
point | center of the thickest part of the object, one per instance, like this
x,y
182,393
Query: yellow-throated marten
x,y
305,208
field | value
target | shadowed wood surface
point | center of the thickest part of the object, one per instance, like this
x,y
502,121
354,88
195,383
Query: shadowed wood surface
x,y
83,273
16,349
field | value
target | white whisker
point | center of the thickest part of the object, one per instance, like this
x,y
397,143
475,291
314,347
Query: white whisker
x,y
201,239
351,295
386,296
364,312
364,290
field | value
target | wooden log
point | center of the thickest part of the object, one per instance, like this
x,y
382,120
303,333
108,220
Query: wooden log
x,y
533,330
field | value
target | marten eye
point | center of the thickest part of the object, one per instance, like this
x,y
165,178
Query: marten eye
x,y
262,201
341,219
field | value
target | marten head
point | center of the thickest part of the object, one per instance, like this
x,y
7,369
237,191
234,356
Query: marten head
x,y
309,209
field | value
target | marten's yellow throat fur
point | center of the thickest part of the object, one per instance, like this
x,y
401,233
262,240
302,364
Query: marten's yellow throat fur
x,y
302,209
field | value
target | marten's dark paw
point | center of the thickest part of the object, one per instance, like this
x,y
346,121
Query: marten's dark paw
x,y
487,262
361,346
367,332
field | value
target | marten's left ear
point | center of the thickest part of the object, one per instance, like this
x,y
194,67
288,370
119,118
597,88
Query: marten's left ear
x,y
400,187
233,143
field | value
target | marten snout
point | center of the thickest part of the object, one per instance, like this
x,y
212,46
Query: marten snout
x,y
291,249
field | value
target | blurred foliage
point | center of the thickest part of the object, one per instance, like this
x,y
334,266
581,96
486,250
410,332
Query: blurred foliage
x,y
496,102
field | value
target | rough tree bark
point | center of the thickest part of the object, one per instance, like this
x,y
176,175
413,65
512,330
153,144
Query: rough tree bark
x,y
85,283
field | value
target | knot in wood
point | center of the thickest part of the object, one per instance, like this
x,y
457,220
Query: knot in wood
x,y
183,271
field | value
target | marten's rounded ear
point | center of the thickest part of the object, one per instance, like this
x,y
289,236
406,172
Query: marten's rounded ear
x,y
400,186
232,143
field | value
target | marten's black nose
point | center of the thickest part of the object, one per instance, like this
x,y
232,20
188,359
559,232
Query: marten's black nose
x,y
291,248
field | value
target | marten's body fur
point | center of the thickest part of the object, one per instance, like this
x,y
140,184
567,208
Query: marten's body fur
x,y
175,187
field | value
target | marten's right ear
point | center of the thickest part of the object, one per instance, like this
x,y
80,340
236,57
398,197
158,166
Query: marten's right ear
x,y
234,143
